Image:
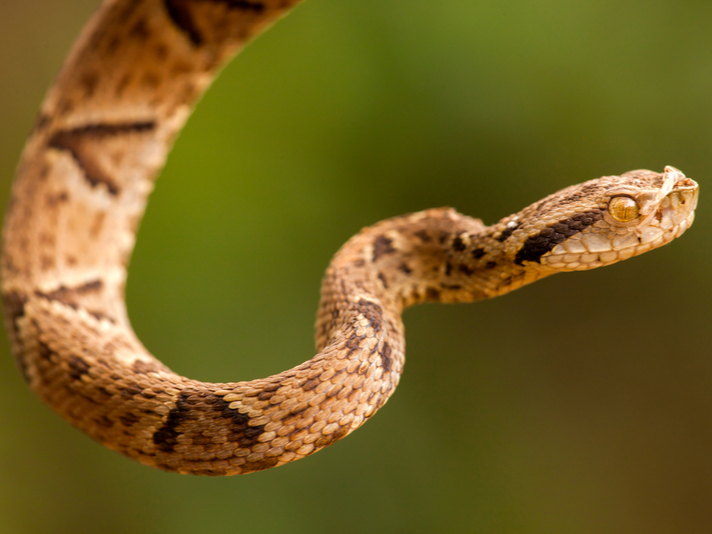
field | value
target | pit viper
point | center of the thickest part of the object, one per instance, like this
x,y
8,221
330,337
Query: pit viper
x,y
82,184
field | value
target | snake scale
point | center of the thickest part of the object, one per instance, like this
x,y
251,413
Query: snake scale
x,y
82,184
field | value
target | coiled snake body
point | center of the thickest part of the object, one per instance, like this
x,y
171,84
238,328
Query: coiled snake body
x,y
82,184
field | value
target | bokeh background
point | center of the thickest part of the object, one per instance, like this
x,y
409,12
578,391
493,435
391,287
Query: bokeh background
x,y
581,404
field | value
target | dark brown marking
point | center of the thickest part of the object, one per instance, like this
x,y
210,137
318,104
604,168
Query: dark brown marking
x,y
165,438
386,357
490,265
465,269
73,141
182,16
458,244
454,287
382,246
536,246
507,232
14,305
104,422
140,31
383,280
240,431
432,293
448,268
405,269
41,121
373,314
129,419
478,253
78,367
131,390
423,236
45,352
66,295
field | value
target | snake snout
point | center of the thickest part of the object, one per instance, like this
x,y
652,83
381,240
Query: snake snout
x,y
678,207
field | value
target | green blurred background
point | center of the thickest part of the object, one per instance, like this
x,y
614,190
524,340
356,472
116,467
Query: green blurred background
x,y
581,404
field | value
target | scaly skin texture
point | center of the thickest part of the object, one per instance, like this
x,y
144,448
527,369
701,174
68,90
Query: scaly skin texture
x,y
81,189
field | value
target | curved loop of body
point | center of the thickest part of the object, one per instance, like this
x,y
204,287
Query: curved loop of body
x,y
103,133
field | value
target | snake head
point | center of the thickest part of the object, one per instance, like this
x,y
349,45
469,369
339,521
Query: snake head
x,y
610,219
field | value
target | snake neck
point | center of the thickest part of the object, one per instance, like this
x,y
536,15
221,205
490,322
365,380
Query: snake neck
x,y
438,255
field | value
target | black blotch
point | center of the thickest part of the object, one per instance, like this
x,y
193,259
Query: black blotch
x,y
373,314
14,307
140,31
165,438
41,121
536,246
129,419
466,270
131,390
243,5
404,268
432,293
382,246
104,422
458,244
240,432
454,287
423,236
478,253
71,141
382,278
44,351
353,344
386,357
65,294
78,367
181,17
507,232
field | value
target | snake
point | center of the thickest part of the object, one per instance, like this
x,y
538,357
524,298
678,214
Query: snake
x,y
103,133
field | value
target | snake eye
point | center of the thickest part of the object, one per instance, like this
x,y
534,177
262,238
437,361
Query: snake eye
x,y
623,209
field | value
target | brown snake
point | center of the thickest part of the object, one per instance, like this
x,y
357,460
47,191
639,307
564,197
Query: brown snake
x,y
105,128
